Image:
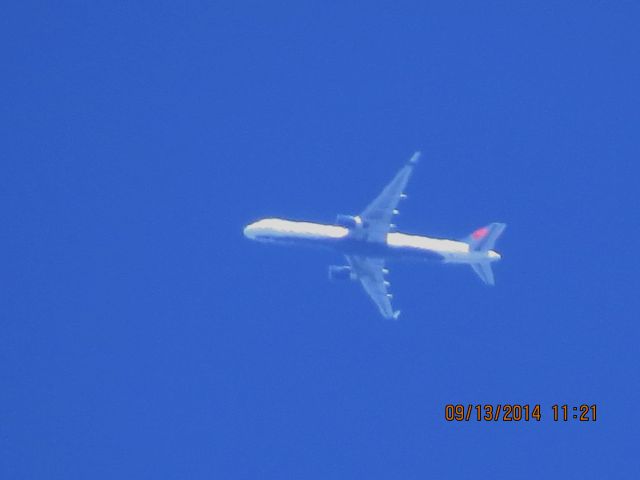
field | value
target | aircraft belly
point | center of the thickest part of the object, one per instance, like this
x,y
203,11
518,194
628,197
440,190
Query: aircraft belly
x,y
383,250
350,246
411,253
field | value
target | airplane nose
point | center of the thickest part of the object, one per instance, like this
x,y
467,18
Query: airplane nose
x,y
249,232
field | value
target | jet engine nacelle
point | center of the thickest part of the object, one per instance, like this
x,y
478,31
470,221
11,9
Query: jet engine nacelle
x,y
349,221
341,273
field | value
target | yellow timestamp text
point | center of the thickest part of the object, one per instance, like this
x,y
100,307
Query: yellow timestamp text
x,y
517,412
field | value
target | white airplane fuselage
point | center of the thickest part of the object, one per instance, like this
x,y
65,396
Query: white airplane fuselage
x,y
397,245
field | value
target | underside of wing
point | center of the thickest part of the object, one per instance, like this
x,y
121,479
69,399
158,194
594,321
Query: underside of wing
x,y
370,272
378,215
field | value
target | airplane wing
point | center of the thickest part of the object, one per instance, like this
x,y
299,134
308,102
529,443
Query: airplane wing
x,y
370,272
377,216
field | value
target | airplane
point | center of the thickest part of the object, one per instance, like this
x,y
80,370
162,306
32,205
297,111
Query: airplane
x,y
370,239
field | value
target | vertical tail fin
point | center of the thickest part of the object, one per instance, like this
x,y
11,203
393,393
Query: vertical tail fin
x,y
483,239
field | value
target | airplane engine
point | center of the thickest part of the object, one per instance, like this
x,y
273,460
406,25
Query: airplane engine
x,y
341,273
349,221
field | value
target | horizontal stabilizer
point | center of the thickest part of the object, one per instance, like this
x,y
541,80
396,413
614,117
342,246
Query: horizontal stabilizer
x,y
484,271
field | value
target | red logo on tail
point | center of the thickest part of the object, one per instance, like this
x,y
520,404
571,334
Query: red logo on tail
x,y
480,233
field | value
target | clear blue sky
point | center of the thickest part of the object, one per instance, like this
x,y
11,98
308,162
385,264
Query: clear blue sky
x,y
143,337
